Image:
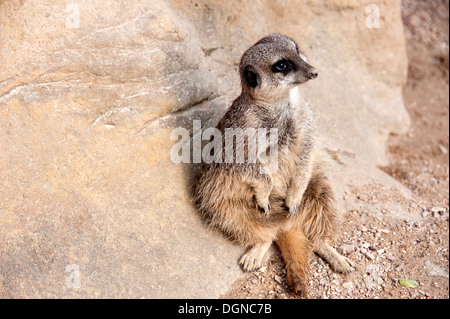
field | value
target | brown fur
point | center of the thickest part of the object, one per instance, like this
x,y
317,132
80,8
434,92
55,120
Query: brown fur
x,y
294,206
295,249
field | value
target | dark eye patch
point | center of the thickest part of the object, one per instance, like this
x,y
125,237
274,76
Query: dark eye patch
x,y
283,66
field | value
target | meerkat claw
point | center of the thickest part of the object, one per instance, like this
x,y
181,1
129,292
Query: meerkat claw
x,y
266,210
292,211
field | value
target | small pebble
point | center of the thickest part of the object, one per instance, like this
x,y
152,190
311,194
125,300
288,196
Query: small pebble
x,y
348,285
389,257
278,279
369,256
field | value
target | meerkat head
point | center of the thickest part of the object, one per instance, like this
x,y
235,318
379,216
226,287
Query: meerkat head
x,y
273,66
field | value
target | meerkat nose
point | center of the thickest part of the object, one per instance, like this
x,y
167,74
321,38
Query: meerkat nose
x,y
313,74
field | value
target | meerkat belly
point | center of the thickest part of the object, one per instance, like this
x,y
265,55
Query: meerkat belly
x,y
229,205
286,167
222,187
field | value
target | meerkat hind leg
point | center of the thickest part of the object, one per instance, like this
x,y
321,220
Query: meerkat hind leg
x,y
337,262
254,257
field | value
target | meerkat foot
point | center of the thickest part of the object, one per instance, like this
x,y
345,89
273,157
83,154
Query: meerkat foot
x,y
253,258
337,262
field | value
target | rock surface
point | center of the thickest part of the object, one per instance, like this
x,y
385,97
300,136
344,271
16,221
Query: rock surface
x,y
89,93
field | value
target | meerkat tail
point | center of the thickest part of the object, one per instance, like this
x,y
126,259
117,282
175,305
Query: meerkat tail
x,y
296,251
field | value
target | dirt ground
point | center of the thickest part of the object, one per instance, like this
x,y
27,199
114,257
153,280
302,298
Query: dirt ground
x,y
387,249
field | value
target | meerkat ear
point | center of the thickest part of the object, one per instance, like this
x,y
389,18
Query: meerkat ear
x,y
251,77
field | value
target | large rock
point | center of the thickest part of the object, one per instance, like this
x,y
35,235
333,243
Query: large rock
x,y
89,93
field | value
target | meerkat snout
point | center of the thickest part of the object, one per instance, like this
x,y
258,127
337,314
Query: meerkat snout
x,y
307,70
313,74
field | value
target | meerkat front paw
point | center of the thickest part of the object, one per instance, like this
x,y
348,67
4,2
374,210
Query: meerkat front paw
x,y
263,205
292,205
265,209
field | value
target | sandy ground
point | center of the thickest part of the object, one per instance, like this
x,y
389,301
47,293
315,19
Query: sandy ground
x,y
387,249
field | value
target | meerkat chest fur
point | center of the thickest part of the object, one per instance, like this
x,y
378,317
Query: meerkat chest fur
x,y
302,118
295,124
294,96
296,137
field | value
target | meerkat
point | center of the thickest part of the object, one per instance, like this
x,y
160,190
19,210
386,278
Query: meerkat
x,y
294,205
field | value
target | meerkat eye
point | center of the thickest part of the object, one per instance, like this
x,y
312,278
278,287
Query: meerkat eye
x,y
282,66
